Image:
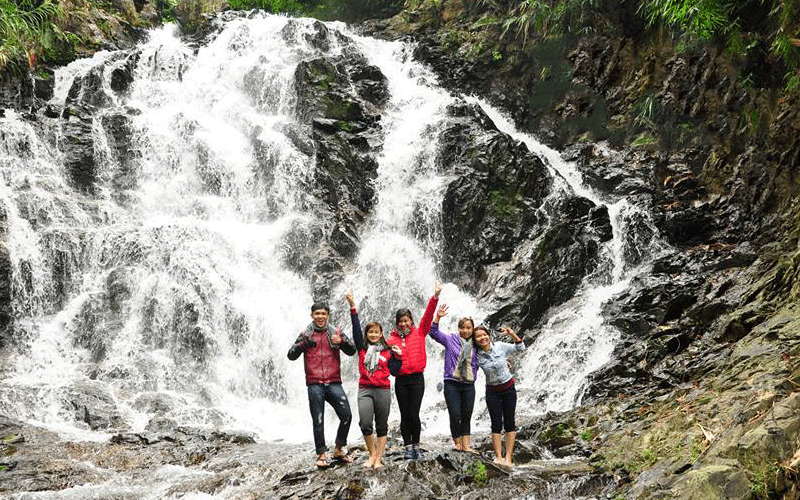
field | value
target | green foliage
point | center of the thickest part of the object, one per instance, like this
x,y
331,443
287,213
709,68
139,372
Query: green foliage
x,y
643,140
588,434
28,27
3,468
545,18
496,55
762,479
792,81
723,20
166,9
477,470
694,451
704,18
350,10
750,122
274,6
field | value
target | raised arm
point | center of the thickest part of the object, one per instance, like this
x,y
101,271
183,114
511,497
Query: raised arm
x,y
435,333
518,344
358,334
427,317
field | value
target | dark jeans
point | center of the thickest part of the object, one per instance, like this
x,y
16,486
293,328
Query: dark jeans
x,y
409,390
460,399
502,406
335,396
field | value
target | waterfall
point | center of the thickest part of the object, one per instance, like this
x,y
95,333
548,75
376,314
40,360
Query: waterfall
x,y
166,292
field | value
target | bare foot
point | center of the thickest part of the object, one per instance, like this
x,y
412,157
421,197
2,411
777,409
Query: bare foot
x,y
509,462
469,450
378,465
499,461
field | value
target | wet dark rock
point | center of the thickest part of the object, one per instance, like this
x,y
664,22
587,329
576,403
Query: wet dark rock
x,y
44,84
495,206
90,403
124,157
6,283
122,75
340,99
613,173
77,145
87,89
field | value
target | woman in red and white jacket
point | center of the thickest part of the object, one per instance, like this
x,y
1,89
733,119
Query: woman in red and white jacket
x,y
409,385
376,360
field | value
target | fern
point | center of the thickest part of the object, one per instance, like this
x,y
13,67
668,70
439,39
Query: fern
x,y
27,28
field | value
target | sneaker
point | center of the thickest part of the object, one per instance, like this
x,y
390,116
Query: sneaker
x,y
410,453
418,455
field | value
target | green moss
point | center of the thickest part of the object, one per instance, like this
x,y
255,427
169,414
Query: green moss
x,y
3,468
504,203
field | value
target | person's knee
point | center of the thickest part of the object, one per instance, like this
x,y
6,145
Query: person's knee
x,y
366,429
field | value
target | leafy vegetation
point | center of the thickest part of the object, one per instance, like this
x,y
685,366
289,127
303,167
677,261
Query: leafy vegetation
x,y
345,10
28,29
274,6
477,470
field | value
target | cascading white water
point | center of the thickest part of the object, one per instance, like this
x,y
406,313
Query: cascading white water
x,y
176,290
574,339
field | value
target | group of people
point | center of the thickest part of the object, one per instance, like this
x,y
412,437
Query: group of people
x,y
403,355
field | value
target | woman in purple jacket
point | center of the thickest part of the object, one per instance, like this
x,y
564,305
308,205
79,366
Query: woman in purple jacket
x,y
460,369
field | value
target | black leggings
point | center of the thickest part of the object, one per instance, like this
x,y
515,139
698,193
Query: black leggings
x,y
409,390
502,406
460,399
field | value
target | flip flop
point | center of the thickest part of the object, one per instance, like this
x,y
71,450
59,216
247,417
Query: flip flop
x,y
342,459
322,463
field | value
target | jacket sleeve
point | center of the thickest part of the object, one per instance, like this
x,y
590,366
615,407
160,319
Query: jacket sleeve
x,y
509,348
347,345
395,363
297,348
436,334
358,335
427,317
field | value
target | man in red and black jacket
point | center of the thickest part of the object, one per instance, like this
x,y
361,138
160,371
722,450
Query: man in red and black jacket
x,y
320,344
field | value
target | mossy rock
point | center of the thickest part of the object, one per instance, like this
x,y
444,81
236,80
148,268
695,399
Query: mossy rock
x,y
13,439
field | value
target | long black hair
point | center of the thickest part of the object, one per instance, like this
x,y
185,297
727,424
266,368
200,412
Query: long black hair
x,y
403,312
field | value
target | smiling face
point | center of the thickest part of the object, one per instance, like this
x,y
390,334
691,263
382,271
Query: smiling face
x,y
374,334
320,317
404,323
482,339
466,328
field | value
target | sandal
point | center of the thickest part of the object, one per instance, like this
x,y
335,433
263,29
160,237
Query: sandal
x,y
342,458
322,463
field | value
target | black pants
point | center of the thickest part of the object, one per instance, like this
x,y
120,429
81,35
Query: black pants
x,y
460,399
502,406
409,390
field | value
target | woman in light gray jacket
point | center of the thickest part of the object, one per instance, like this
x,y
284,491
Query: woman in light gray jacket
x,y
501,395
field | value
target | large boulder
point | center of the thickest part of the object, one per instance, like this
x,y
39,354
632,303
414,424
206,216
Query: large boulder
x,y
340,98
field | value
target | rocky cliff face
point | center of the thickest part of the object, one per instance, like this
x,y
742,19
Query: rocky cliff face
x,y
699,393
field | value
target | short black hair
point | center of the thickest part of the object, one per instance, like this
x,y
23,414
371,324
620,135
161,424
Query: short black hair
x,y
402,312
316,306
